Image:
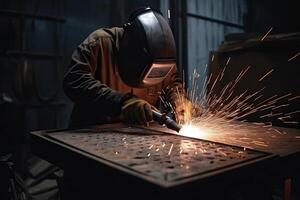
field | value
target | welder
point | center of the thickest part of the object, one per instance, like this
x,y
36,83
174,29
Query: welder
x,y
123,74
119,73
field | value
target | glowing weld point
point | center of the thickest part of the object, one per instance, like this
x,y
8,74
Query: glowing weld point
x,y
190,131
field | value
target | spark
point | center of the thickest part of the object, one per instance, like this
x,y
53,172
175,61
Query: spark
x,y
259,143
221,152
228,60
280,106
202,150
267,108
291,122
285,117
150,146
170,150
221,111
163,145
277,131
264,37
241,154
294,112
293,98
258,123
268,124
268,73
97,147
293,57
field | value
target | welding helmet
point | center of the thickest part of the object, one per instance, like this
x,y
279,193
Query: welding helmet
x,y
147,52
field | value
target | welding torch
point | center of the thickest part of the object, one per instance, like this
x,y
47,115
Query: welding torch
x,y
162,118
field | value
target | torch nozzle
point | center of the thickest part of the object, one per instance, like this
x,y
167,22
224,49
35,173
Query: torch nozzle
x,y
164,119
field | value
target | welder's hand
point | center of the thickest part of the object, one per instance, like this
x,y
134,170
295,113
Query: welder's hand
x,y
186,110
136,111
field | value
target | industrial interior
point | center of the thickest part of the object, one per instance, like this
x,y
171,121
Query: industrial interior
x,y
107,99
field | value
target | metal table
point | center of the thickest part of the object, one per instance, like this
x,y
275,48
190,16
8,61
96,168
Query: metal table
x,y
157,163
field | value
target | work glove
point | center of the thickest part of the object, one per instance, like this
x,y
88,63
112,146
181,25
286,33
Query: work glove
x,y
185,110
136,111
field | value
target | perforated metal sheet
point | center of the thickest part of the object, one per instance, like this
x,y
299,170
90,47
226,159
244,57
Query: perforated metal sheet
x,y
161,156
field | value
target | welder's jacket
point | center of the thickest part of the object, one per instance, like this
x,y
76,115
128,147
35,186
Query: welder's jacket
x,y
92,81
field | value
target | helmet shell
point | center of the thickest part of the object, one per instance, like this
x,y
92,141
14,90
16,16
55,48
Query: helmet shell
x,y
147,51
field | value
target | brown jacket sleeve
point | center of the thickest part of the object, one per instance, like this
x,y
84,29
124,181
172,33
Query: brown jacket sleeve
x,y
80,84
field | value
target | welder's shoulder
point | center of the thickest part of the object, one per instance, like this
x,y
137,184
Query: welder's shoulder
x,y
108,33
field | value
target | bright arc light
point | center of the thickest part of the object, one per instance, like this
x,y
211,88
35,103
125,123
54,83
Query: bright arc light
x,y
191,131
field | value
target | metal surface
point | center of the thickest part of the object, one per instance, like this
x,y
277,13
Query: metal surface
x,y
160,158
276,140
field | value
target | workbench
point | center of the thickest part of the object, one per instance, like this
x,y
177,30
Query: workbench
x,y
153,162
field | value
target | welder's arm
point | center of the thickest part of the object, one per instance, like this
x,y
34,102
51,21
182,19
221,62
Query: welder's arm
x,y
81,86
